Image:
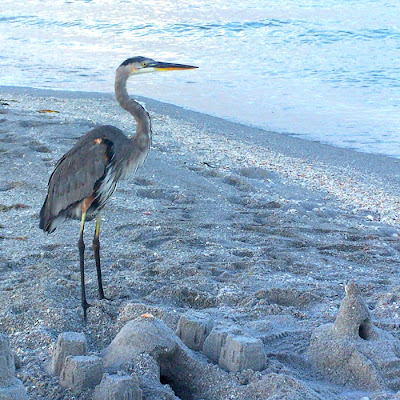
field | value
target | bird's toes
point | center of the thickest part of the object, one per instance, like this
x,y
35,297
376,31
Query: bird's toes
x,y
105,298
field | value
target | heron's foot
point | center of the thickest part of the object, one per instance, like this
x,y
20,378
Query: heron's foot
x,y
85,306
102,297
101,294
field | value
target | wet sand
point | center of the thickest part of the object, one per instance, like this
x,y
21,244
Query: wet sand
x,y
258,230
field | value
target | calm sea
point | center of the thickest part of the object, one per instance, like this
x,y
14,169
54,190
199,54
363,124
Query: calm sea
x,y
326,70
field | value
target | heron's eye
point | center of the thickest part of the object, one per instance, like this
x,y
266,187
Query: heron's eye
x,y
143,64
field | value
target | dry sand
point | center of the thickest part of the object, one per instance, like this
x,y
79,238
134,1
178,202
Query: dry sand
x,y
258,230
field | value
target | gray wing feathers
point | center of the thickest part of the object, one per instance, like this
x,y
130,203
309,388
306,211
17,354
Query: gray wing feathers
x,y
74,177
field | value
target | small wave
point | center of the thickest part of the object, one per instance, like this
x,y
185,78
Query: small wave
x,y
206,29
32,20
313,35
146,29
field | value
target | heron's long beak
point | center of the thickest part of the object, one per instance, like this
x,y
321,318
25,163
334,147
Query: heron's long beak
x,y
163,66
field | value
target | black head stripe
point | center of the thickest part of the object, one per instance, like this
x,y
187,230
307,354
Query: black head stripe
x,y
138,59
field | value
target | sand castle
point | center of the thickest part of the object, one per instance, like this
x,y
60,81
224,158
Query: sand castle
x,y
11,388
147,359
146,354
353,351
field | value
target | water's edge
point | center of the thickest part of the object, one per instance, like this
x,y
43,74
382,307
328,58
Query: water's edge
x,y
382,167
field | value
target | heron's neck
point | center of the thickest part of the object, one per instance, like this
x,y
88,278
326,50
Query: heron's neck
x,y
143,123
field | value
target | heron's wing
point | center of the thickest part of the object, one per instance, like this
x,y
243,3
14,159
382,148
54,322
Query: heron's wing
x,y
75,176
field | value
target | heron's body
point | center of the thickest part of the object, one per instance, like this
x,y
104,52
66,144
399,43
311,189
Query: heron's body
x,y
85,177
90,172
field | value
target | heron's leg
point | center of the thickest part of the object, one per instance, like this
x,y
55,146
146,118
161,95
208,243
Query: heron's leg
x,y
81,246
96,249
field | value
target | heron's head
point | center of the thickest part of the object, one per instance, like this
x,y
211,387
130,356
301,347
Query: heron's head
x,y
140,65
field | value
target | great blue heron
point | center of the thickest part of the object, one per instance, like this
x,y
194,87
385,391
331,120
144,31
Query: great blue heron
x,y
86,176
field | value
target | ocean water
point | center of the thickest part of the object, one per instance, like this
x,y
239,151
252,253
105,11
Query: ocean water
x,y
325,70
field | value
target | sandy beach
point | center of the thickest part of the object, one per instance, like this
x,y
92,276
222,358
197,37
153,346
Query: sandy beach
x,y
257,230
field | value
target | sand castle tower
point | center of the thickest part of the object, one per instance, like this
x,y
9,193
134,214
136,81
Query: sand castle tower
x,y
353,319
354,352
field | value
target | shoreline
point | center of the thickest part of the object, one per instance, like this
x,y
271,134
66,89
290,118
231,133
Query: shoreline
x,y
360,180
78,93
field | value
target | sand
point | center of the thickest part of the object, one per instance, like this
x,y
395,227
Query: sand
x,y
258,230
